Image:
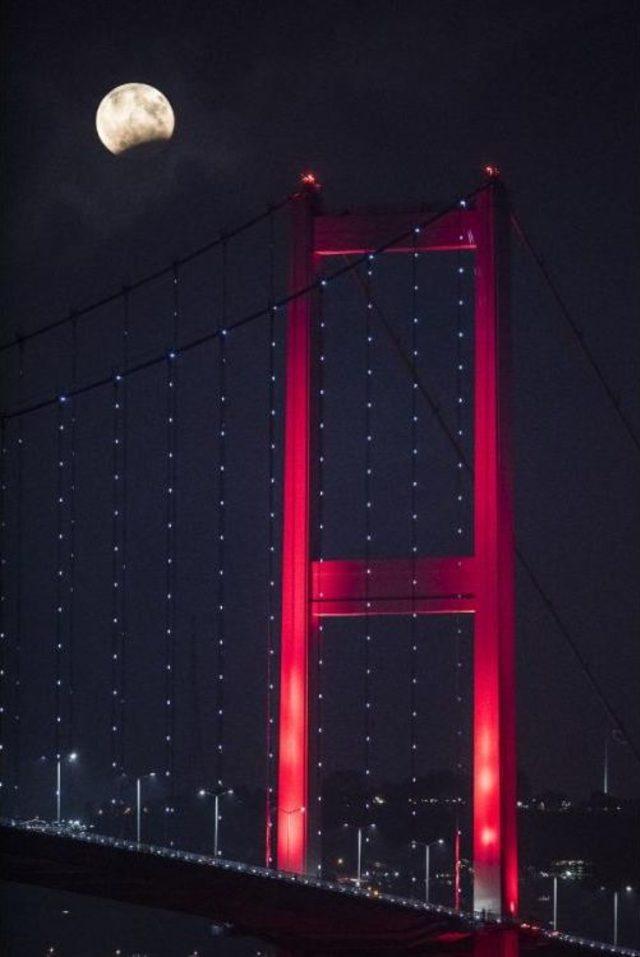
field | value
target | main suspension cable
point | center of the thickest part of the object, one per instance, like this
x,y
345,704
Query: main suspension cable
x,y
577,333
349,267
76,314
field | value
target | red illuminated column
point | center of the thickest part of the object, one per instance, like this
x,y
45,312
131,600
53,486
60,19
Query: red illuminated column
x,y
494,774
296,632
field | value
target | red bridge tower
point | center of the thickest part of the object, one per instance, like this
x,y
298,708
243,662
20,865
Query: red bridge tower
x,y
481,584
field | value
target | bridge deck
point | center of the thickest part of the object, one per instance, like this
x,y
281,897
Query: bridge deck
x,y
298,915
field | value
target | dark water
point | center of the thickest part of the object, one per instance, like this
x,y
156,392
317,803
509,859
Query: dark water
x,y
33,920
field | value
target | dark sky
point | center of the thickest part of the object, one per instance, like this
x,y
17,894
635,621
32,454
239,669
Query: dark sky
x,y
396,103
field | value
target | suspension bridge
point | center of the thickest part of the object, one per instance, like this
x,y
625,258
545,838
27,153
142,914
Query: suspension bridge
x,y
235,490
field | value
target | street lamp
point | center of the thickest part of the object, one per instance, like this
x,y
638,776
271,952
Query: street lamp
x,y
616,910
554,922
359,831
216,795
427,862
71,758
139,780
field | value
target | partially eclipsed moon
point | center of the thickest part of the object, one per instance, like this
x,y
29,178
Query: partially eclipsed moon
x,y
132,114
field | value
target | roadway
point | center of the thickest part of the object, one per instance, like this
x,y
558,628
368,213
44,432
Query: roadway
x,y
296,915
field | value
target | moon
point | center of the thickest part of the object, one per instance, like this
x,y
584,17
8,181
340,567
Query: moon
x,y
133,114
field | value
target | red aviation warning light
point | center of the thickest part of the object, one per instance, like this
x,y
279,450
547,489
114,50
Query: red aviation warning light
x,y
310,179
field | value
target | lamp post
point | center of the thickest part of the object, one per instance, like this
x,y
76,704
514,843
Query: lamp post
x,y
616,901
72,757
216,795
554,922
139,780
360,839
427,862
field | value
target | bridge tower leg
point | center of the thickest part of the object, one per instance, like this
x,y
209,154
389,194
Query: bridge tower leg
x,y
297,626
494,773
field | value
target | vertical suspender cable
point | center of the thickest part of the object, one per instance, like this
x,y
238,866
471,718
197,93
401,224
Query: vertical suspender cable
x,y
71,544
368,534
458,619
123,543
118,557
17,710
60,603
222,459
170,571
319,626
115,573
413,479
271,558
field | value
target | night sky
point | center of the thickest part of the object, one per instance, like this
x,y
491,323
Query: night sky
x,y
397,104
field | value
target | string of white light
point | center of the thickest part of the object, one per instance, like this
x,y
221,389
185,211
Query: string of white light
x,y
170,571
116,517
17,664
123,542
222,462
319,636
71,544
368,533
271,559
118,558
413,480
459,418
60,584
459,487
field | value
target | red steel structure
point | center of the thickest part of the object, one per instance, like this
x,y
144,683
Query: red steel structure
x,y
481,584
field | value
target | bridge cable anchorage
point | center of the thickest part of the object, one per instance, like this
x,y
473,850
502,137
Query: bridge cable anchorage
x,y
576,332
435,409
248,318
168,270
222,488
414,319
270,721
320,538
